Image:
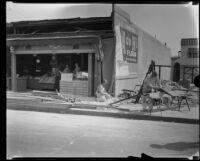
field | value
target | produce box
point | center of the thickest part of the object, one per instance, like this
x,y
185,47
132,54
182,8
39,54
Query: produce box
x,y
66,76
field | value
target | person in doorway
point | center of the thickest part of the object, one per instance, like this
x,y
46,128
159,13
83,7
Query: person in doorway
x,y
150,84
76,70
101,93
66,70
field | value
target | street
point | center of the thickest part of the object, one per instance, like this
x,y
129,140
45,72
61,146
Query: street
x,y
39,134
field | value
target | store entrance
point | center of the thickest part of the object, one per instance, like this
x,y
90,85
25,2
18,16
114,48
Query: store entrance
x,y
38,69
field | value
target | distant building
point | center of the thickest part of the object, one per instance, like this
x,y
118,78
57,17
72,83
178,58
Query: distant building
x,y
187,63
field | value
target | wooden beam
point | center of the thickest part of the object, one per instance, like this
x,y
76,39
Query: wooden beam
x,y
93,73
159,71
13,72
169,66
61,35
59,51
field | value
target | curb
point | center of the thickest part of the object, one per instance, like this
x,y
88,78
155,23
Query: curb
x,y
94,112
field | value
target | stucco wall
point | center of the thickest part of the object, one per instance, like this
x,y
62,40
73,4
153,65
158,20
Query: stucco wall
x,y
155,50
148,49
126,73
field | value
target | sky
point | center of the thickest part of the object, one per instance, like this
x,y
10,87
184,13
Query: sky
x,y
170,23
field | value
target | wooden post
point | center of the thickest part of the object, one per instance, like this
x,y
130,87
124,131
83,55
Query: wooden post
x,y
82,60
159,71
89,74
14,30
192,74
13,72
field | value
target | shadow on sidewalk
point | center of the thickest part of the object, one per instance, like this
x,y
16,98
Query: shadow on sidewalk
x,y
177,146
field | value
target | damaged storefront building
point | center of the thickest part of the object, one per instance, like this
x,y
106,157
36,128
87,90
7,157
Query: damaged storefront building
x,y
97,48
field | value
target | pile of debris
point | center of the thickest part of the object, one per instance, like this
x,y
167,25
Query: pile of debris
x,y
62,98
53,96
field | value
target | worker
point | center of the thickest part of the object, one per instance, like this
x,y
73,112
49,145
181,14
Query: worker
x,y
66,70
76,70
101,93
150,84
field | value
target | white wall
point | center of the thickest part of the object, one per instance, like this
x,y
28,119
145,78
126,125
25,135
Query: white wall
x,y
148,49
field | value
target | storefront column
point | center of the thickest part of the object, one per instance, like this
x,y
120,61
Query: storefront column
x,y
89,74
13,72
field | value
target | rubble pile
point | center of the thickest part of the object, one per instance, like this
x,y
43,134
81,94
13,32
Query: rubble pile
x,y
52,96
68,98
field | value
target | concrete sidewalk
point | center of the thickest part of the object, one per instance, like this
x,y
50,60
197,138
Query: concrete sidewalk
x,y
130,111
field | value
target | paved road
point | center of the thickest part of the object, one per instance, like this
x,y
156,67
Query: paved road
x,y
37,134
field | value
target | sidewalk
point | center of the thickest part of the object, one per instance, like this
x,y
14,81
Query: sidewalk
x,y
26,101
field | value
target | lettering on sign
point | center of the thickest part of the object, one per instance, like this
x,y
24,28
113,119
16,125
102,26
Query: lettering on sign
x,y
129,45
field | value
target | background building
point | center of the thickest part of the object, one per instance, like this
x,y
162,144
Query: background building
x,y
187,64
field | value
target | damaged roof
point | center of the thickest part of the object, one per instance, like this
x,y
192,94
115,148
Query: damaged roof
x,y
61,25
63,21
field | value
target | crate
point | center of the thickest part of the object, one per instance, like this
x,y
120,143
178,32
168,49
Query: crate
x,y
66,76
74,87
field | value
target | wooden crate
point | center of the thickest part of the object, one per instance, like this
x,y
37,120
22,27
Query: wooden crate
x,y
66,76
74,87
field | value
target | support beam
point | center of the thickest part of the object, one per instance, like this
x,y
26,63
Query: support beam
x,y
89,74
57,51
159,71
13,72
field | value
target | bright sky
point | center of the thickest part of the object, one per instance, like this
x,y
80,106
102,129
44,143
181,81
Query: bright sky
x,y
169,23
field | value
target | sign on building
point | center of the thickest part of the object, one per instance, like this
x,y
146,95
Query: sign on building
x,y
129,46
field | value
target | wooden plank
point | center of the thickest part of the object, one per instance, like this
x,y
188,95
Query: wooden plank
x,y
78,87
56,51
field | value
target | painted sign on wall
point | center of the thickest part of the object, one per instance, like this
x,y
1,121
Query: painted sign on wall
x,y
129,46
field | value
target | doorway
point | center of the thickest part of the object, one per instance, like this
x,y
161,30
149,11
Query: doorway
x,y
176,75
